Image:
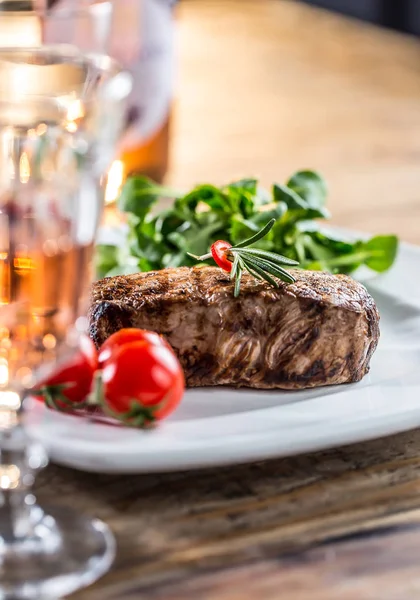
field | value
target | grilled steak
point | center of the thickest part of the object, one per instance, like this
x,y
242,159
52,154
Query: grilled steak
x,y
321,330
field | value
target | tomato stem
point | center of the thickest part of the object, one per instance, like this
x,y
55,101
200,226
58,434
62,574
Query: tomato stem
x,y
54,397
96,395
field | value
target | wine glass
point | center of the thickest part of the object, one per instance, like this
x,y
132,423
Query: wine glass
x,y
61,112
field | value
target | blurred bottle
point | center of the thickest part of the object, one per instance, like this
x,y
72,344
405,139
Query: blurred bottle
x,y
142,40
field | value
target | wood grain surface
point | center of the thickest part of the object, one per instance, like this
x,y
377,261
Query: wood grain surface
x,y
266,87
338,524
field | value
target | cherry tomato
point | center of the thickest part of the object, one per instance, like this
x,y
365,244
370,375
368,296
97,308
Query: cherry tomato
x,y
125,336
72,381
88,351
142,382
219,250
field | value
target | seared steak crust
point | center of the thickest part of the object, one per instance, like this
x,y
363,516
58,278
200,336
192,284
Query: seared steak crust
x,y
321,330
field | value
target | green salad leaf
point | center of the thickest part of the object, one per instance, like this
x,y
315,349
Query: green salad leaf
x,y
235,212
310,186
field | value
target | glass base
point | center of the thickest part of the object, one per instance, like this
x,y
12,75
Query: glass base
x,y
65,551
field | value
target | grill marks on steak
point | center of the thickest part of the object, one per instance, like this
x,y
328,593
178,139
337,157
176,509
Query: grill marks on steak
x,y
321,330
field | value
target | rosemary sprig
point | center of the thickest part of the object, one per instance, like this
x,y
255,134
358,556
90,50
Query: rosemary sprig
x,y
263,265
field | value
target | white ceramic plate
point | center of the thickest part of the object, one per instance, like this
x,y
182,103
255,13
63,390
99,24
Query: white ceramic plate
x,y
221,426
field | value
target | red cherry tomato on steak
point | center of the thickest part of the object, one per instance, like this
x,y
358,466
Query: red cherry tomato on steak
x,y
126,336
219,250
141,377
72,381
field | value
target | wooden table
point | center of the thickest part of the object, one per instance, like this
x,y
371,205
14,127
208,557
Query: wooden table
x,y
267,87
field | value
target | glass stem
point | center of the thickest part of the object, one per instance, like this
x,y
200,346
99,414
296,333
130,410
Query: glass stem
x,y
20,459
15,517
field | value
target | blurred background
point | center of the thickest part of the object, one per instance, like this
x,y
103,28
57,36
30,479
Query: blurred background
x,y
403,15
266,87
226,89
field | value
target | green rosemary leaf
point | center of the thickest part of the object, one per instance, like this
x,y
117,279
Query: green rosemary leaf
x,y
286,276
257,236
241,264
271,256
234,271
278,272
271,268
252,267
251,272
238,282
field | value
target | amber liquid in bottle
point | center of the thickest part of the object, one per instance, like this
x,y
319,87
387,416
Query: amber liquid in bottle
x,y
148,53
151,157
